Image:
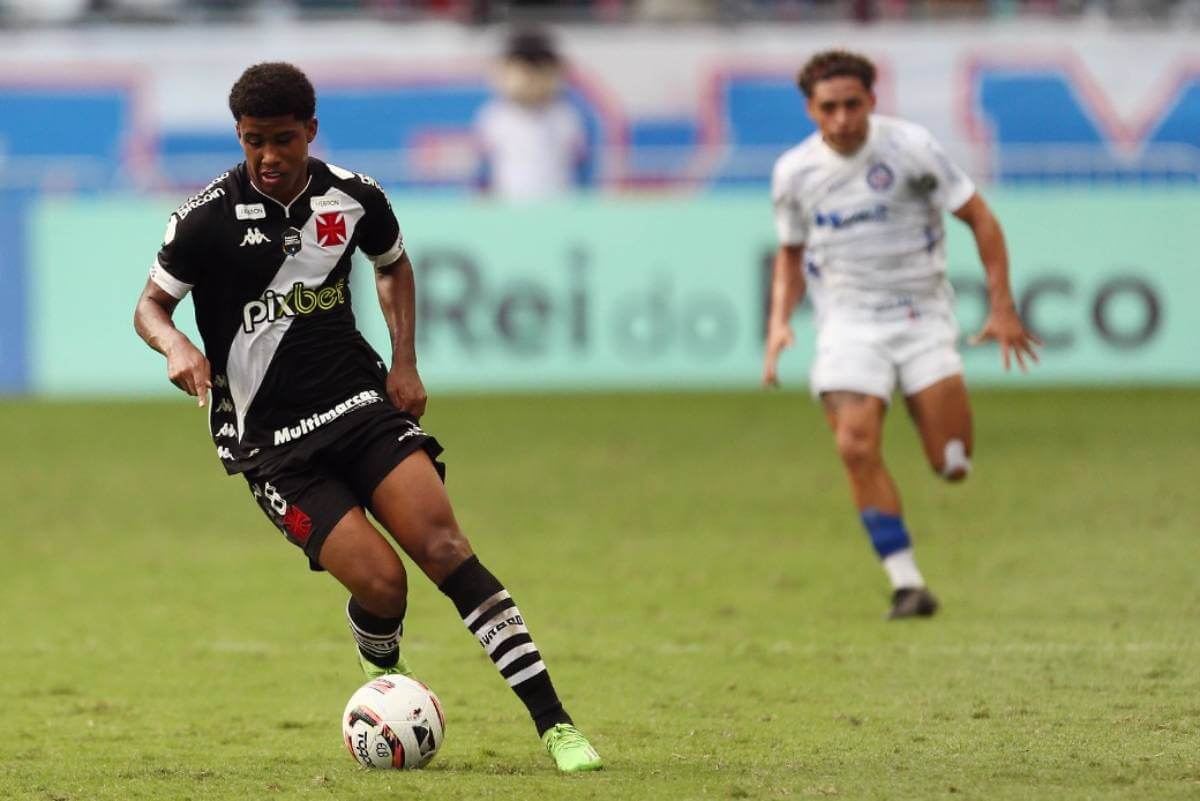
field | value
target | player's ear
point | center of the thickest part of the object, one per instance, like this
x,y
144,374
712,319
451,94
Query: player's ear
x,y
310,130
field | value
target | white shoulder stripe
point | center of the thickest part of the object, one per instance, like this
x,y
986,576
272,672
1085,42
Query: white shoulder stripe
x,y
251,353
167,282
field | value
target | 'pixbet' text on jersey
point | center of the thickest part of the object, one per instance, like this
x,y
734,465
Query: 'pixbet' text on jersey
x,y
271,289
298,301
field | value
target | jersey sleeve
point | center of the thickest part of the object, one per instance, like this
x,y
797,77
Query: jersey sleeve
x,y
381,240
177,267
948,186
791,224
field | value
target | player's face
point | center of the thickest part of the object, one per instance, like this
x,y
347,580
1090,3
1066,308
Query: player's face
x,y
840,107
276,151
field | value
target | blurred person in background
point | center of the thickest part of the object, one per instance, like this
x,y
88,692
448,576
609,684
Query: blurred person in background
x,y
319,425
858,212
531,140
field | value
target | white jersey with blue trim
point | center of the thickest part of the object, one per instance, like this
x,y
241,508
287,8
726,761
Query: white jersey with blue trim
x,y
871,222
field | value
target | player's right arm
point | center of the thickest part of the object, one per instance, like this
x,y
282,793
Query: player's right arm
x,y
787,279
187,368
787,289
175,272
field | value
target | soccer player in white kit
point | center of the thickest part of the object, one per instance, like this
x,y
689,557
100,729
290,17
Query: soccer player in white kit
x,y
858,212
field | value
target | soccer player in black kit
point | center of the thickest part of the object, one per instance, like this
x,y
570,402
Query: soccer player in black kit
x,y
320,427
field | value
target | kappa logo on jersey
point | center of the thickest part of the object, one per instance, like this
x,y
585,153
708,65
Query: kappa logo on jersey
x,y
224,406
250,211
254,237
224,453
297,302
331,229
227,430
415,431
220,382
880,177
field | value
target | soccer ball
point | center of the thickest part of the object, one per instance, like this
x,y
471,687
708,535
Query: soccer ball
x,y
393,722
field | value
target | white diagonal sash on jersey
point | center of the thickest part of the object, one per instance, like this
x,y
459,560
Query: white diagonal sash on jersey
x,y
251,353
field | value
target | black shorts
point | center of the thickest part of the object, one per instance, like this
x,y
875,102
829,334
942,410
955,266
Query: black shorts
x,y
306,491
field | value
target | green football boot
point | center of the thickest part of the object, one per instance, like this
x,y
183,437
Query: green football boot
x,y
570,749
374,671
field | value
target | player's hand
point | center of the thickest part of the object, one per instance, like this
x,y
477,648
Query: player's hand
x,y
189,370
1003,325
405,390
779,337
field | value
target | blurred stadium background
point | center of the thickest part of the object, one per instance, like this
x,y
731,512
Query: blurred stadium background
x,y
1080,120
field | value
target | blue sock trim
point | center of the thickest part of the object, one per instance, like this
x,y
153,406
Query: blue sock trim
x,y
887,532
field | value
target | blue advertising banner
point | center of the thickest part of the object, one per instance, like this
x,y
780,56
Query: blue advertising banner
x,y
617,293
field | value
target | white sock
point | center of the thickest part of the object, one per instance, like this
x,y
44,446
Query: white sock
x,y
954,460
902,571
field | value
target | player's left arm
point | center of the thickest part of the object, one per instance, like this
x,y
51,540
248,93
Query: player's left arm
x,y
382,242
397,297
1003,324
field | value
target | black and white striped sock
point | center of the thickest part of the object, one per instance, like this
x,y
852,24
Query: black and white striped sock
x,y
490,613
378,638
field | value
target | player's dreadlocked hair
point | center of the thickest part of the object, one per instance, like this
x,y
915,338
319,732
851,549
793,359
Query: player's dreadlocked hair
x,y
835,64
273,89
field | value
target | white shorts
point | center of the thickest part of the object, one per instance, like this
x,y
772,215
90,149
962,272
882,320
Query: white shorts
x,y
873,357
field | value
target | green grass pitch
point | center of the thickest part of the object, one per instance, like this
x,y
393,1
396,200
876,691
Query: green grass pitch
x,y
693,572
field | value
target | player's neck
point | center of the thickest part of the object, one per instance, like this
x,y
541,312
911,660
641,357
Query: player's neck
x,y
852,151
286,196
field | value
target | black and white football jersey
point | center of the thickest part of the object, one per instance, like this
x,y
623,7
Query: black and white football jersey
x,y
271,288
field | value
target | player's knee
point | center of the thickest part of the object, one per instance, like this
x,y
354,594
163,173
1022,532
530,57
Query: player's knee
x,y
386,592
857,447
443,549
955,464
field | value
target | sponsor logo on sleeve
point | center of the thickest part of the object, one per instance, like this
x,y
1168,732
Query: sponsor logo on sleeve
x,y
205,195
250,211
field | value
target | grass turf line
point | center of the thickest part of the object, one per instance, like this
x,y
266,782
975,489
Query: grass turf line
x,y
693,573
